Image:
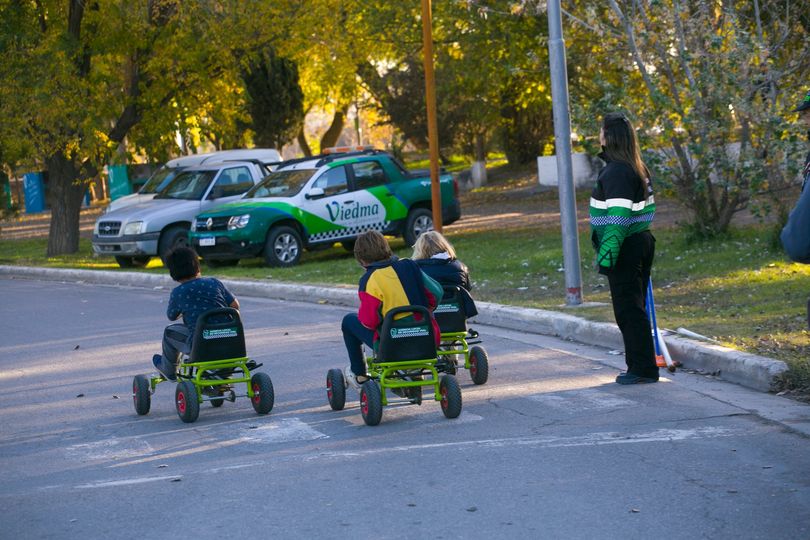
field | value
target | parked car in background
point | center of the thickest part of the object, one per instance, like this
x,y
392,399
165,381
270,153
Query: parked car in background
x,y
314,202
269,157
154,227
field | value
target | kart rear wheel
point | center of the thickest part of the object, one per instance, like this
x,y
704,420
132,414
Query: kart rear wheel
x,y
185,400
479,365
450,396
141,394
336,389
371,403
263,395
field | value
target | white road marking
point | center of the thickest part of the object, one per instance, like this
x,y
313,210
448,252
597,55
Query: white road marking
x,y
280,431
582,400
109,449
128,482
594,439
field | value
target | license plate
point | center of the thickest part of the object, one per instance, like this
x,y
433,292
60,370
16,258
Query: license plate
x,y
208,241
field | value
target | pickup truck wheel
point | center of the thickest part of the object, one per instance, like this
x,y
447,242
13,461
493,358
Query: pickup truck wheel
x,y
283,247
131,262
419,220
172,239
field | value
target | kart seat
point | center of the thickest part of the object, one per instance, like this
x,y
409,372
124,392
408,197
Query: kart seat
x,y
450,314
407,338
218,335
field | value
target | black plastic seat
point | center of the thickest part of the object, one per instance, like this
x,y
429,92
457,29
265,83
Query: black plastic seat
x,y
450,314
407,338
218,335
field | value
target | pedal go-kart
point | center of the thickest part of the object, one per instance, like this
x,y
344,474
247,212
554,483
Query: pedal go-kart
x,y
212,372
456,339
405,363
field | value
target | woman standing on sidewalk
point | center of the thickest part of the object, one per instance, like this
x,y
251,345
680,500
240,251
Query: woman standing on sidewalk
x,y
621,209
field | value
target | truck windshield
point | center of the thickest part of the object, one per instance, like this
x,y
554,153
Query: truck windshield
x,y
158,180
188,185
280,184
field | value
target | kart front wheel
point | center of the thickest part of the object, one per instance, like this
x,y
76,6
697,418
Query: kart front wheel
x,y
263,395
141,394
450,396
479,365
336,389
185,400
371,403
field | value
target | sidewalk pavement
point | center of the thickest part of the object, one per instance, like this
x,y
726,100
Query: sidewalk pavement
x,y
745,369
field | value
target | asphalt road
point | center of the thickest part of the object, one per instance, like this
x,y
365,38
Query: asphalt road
x,y
550,447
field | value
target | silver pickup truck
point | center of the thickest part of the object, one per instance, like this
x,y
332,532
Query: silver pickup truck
x,y
270,157
134,234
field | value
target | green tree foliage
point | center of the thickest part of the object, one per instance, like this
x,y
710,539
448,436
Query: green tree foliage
x,y
709,83
274,98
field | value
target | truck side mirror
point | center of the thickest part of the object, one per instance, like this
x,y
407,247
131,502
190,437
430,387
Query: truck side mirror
x,y
315,193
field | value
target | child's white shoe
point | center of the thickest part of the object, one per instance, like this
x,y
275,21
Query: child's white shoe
x,y
351,378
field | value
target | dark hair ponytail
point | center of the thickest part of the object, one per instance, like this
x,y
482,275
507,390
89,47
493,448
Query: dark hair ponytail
x,y
621,144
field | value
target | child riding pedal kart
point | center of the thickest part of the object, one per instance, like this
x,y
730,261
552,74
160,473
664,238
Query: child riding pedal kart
x,y
404,361
215,367
456,338
210,341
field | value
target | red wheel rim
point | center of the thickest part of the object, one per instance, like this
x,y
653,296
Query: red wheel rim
x,y
444,396
329,388
257,394
364,403
474,365
181,402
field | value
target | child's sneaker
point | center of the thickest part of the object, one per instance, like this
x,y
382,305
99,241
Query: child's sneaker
x,y
351,378
168,373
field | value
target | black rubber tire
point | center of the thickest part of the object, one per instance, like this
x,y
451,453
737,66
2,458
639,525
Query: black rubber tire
x,y
348,245
451,396
171,239
336,389
220,263
141,394
217,402
132,262
371,403
185,401
283,247
263,394
479,365
419,220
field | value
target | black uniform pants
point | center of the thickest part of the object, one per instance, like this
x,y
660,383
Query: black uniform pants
x,y
628,291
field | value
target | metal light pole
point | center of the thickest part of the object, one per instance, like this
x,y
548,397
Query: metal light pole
x,y
430,99
562,140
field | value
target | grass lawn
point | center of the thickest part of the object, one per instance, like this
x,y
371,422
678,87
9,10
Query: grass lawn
x,y
739,290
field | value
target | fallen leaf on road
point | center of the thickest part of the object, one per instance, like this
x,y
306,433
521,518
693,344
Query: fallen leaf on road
x,y
76,348
79,395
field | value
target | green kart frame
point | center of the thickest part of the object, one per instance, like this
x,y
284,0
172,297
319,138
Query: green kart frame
x,y
393,367
456,339
206,379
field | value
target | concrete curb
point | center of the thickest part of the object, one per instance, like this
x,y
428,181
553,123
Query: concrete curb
x,y
745,369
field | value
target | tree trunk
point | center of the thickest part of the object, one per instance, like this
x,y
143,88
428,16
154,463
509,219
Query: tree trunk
x,y
302,142
332,134
65,193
